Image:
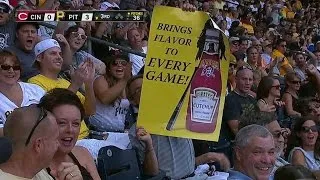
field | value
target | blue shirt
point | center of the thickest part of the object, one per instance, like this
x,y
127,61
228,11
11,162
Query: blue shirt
x,y
236,175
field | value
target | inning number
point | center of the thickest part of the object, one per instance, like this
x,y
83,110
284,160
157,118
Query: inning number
x,y
136,18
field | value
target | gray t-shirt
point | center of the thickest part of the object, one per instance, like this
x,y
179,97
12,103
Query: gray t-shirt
x,y
7,35
26,59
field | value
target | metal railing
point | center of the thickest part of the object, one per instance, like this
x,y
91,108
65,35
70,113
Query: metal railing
x,y
100,41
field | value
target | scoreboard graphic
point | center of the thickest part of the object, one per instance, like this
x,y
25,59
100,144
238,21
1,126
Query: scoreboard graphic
x,y
115,16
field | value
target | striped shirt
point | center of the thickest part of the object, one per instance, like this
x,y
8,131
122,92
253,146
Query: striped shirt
x,y
175,155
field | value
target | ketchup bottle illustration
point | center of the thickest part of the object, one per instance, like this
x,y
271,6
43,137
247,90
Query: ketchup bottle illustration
x,y
205,85
205,90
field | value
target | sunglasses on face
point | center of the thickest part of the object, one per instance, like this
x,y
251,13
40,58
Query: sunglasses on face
x,y
306,129
7,67
116,63
235,43
277,86
76,34
42,115
296,82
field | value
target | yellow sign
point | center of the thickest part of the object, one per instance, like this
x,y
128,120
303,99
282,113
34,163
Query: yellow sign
x,y
185,75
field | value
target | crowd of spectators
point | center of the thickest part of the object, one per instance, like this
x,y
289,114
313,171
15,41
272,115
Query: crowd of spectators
x,y
58,88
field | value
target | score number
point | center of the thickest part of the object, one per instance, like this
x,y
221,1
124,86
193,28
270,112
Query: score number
x,y
49,17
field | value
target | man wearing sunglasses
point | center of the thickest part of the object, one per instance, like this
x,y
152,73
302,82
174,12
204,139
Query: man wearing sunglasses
x,y
7,27
269,121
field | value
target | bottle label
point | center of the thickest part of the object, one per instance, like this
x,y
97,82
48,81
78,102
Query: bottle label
x,y
204,103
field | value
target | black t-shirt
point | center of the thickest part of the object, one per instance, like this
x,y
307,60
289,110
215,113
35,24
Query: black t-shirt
x,y
233,109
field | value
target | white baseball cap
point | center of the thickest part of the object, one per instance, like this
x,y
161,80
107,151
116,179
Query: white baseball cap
x,y
6,2
44,45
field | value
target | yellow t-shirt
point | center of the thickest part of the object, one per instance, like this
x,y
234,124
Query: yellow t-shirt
x,y
276,54
248,27
48,84
42,175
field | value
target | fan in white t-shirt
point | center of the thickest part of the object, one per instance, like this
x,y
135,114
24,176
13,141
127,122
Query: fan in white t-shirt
x,y
13,93
31,94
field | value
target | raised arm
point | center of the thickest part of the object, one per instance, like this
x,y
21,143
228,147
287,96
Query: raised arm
x,y
312,70
150,162
90,101
106,94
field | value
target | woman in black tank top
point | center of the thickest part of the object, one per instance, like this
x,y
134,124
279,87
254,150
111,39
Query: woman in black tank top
x,y
268,94
85,174
290,97
69,112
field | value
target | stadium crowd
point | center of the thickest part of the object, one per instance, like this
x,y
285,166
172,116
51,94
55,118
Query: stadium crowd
x,y
61,103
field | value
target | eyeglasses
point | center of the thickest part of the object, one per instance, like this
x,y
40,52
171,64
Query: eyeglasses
x,y
116,63
283,133
7,67
76,34
306,129
277,86
296,82
283,45
43,114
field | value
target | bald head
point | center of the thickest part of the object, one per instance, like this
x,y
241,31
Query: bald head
x,y
21,121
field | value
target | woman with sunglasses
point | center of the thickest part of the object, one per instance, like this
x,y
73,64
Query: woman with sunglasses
x,y
268,94
112,103
69,112
303,143
290,96
76,38
13,93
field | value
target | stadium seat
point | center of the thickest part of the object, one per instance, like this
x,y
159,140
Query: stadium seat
x,y
115,163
